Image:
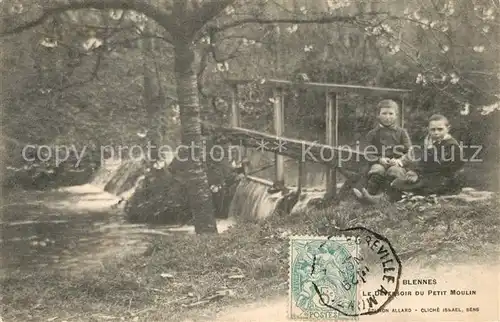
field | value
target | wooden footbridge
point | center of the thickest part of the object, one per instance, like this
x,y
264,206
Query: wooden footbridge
x,y
335,161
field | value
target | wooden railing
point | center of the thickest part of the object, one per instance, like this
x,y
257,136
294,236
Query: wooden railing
x,y
299,150
329,154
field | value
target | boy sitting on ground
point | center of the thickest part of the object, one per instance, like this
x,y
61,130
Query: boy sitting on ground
x,y
390,142
434,169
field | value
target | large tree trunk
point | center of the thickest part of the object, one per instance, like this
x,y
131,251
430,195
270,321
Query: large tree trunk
x,y
194,169
151,99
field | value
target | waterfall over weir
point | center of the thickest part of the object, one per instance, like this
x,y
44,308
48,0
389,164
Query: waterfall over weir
x,y
126,177
105,173
118,177
251,200
123,177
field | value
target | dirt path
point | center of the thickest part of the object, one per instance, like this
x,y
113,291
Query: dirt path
x,y
274,309
485,281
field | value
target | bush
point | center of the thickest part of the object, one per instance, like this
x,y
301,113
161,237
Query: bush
x,y
161,198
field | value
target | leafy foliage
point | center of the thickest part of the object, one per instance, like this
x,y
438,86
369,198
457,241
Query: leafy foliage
x,y
444,50
77,80
161,197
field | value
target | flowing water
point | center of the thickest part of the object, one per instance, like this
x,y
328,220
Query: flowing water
x,y
251,200
262,166
78,227
72,229
125,177
307,195
104,174
122,177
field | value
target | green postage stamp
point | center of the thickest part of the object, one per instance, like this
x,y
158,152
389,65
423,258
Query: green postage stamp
x,y
321,271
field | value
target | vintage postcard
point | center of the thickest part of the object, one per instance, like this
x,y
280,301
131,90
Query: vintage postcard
x,y
249,160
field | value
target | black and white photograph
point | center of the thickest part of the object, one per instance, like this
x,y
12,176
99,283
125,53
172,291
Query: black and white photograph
x,y
249,160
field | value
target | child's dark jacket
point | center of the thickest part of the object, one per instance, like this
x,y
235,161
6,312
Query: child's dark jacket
x,y
442,158
390,142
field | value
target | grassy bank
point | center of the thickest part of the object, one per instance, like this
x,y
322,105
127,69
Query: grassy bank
x,y
189,276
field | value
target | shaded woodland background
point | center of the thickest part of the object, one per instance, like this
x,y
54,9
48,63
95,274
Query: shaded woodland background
x,y
93,78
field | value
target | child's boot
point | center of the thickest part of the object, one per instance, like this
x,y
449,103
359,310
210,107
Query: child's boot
x,y
394,194
371,199
374,183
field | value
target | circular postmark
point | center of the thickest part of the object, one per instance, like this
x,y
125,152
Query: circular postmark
x,y
362,281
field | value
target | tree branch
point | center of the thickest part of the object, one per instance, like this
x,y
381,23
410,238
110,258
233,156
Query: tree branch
x,y
151,11
208,11
318,20
202,68
143,36
93,76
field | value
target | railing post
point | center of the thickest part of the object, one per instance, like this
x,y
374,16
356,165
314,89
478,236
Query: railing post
x,y
332,125
236,118
402,112
302,165
279,125
301,180
235,111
